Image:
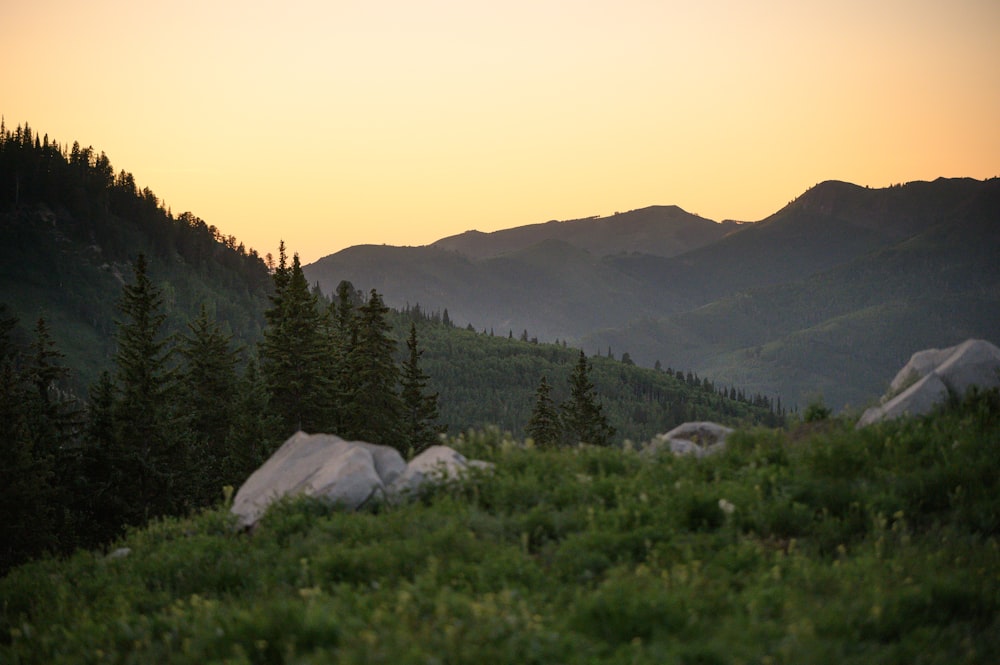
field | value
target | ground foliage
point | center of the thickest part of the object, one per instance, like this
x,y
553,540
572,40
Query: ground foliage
x,y
819,544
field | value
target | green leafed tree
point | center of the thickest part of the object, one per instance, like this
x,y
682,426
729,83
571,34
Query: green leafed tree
x,y
583,416
545,427
420,407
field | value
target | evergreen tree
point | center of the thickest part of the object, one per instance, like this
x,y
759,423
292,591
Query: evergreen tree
x,y
54,422
147,451
341,337
420,408
101,506
254,433
376,410
583,417
294,355
544,426
26,511
207,388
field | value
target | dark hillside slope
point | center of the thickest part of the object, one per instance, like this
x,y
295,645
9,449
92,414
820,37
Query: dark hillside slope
x,y
827,226
840,333
69,232
549,289
491,381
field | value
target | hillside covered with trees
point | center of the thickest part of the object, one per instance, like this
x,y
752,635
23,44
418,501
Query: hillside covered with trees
x,y
135,386
70,230
822,299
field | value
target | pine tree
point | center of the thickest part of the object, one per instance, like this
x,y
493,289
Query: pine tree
x,y
341,337
583,417
420,408
376,410
149,456
254,432
26,511
293,354
101,505
544,426
207,388
54,425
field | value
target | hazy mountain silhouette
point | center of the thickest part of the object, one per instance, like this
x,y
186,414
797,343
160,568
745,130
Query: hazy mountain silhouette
x,y
657,230
824,297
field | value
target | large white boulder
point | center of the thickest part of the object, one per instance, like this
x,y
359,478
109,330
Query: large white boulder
x,y
931,375
698,438
348,473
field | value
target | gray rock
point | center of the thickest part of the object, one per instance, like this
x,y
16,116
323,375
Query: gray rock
x,y
348,473
931,375
437,463
694,438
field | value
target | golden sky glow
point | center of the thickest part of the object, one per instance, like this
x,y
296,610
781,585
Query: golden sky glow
x,y
333,123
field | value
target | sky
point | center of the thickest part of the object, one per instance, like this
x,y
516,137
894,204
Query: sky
x,y
333,123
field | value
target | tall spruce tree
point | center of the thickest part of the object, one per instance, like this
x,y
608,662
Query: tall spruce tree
x,y
294,354
544,427
54,424
102,505
583,416
150,456
420,408
375,408
207,388
341,337
255,432
26,511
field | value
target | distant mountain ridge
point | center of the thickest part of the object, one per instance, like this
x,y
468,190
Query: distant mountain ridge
x,y
658,230
731,307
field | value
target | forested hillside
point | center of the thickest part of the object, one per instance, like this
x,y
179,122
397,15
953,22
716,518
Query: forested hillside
x,y
146,362
70,229
486,379
839,333
819,300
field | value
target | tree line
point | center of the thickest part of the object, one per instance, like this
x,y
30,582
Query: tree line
x,y
180,417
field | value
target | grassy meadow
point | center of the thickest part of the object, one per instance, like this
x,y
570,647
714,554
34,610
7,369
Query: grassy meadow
x,y
815,544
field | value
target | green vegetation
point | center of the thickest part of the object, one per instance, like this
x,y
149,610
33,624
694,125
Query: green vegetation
x,y
191,381
70,231
488,380
823,544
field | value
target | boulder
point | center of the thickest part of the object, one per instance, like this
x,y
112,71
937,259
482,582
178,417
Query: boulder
x,y
933,374
694,438
437,463
348,473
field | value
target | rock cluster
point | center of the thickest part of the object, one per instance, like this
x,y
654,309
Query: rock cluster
x,y
694,438
932,375
347,473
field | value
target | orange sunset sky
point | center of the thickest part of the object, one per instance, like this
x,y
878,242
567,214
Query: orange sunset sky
x,y
335,123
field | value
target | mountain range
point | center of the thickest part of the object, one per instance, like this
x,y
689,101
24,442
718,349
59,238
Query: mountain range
x,y
819,301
